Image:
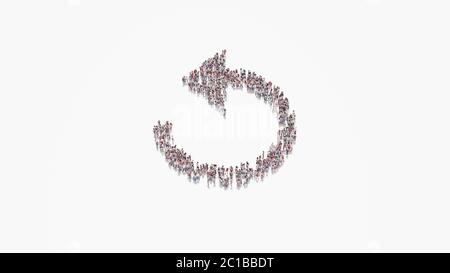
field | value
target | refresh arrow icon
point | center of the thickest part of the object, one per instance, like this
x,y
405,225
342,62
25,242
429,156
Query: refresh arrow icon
x,y
211,80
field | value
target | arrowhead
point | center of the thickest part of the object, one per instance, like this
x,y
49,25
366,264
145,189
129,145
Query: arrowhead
x,y
210,80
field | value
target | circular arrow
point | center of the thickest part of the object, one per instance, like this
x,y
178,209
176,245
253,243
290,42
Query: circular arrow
x,y
211,81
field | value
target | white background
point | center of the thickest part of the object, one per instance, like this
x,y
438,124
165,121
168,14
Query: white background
x,y
83,82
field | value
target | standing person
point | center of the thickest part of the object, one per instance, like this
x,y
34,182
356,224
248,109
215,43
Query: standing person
x,y
231,177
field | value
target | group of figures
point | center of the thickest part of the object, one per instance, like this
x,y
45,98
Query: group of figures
x,y
211,81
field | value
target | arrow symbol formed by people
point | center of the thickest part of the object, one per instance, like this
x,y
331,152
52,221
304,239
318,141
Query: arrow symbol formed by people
x,y
211,81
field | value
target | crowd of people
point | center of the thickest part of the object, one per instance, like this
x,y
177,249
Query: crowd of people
x,y
211,81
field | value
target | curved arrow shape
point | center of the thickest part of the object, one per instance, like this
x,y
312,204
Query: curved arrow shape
x,y
211,81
